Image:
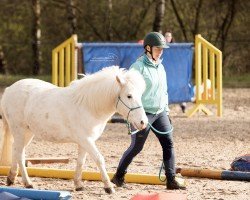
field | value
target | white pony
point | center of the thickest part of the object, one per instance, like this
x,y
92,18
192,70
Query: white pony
x,y
77,113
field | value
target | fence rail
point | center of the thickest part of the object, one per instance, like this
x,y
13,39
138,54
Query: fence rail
x,y
64,62
208,77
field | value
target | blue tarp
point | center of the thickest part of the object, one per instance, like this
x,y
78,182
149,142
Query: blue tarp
x,y
177,61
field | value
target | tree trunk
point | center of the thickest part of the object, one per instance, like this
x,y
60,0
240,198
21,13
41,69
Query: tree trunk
x,y
159,15
109,24
71,10
36,36
2,61
229,20
197,18
179,19
225,26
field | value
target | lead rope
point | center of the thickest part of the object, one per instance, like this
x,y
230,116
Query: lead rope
x,y
162,169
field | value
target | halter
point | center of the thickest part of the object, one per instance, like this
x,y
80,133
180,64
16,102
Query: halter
x,y
151,126
130,109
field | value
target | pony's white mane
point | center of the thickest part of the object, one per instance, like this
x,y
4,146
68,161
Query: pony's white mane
x,y
136,79
96,90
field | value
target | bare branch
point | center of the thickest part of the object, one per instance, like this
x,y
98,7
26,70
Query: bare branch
x,y
179,19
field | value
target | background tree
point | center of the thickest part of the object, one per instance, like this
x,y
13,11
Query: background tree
x,y
179,19
71,10
109,21
224,23
159,15
215,24
2,61
36,36
15,36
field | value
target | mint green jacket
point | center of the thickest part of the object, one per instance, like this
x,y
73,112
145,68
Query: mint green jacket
x,y
155,97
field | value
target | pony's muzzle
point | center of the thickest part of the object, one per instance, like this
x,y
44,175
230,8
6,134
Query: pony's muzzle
x,y
143,123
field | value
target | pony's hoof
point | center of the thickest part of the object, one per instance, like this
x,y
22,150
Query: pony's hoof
x,y
79,189
9,181
29,186
109,190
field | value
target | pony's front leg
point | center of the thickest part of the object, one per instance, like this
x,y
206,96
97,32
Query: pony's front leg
x,y
25,178
78,172
99,160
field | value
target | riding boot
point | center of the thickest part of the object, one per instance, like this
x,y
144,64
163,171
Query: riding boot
x,y
172,182
118,179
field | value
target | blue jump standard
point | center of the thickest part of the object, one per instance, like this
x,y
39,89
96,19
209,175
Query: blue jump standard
x,y
37,194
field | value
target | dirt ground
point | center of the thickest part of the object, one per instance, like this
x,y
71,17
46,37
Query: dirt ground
x,y
200,141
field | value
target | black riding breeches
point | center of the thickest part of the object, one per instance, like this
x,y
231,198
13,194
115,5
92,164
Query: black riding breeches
x,y
160,122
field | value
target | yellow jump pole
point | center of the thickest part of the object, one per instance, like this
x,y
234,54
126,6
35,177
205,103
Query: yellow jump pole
x,y
86,175
134,178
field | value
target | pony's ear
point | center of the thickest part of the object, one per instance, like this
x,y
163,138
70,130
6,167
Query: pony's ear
x,y
120,79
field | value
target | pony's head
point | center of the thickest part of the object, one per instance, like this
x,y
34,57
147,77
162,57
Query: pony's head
x,y
129,103
111,90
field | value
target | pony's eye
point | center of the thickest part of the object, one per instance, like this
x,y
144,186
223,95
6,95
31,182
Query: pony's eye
x,y
129,96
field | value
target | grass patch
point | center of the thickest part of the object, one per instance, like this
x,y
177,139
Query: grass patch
x,y
237,81
7,80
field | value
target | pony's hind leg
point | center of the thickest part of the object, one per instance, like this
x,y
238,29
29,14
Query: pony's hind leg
x,y
14,167
7,156
13,170
18,157
78,172
91,148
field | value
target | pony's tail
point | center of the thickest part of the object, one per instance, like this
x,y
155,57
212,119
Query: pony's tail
x,y
6,141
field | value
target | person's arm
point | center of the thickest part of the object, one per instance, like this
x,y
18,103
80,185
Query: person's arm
x,y
166,90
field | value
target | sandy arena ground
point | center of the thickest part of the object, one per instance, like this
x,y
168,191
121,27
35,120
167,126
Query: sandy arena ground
x,y
201,141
